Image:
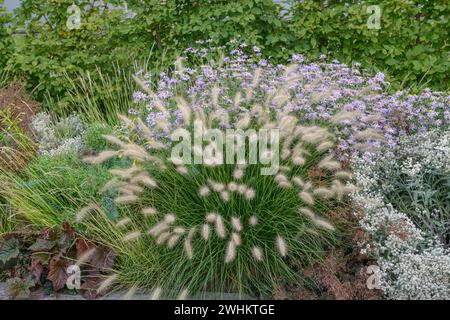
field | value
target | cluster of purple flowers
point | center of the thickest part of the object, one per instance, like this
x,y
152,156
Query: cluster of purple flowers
x,y
321,90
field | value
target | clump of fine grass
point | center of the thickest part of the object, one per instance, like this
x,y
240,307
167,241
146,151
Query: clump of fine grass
x,y
97,98
16,146
51,189
7,220
197,228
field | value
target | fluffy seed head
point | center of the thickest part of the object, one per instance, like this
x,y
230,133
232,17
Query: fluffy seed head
x,y
158,228
156,294
230,254
205,231
123,222
324,193
320,222
162,238
188,243
238,174
204,191
257,253
211,217
250,194
281,246
307,212
129,295
173,240
242,188
306,197
126,199
87,210
131,236
149,211
236,238
225,196
169,218
183,294
232,186
298,181
182,170
101,157
107,283
236,223
220,227
253,221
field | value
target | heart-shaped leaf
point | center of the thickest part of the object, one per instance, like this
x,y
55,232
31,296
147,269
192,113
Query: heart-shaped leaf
x,y
9,250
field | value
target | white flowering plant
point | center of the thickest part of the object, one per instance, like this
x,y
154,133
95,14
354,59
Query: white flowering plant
x,y
58,137
404,195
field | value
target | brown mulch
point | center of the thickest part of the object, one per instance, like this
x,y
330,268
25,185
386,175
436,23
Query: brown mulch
x,y
15,100
343,274
16,105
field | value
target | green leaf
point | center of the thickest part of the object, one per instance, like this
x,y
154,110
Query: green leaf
x,y
42,245
9,250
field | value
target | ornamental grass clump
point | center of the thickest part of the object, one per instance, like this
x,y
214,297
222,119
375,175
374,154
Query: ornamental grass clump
x,y
197,219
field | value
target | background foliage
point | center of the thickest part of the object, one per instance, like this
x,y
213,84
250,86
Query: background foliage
x,y
5,38
411,46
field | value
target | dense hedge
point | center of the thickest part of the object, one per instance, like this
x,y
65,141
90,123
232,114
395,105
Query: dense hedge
x,y
411,44
5,39
49,48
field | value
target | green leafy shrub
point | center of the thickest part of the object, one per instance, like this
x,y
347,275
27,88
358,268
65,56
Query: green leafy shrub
x,y
411,44
49,48
93,138
179,24
410,47
5,37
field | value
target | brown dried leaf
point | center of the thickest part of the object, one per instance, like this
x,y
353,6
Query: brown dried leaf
x,y
57,274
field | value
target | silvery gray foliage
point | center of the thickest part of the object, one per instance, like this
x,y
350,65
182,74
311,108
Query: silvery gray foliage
x,y
60,137
404,197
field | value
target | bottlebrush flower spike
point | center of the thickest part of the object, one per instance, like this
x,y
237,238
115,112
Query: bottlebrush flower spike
x,y
105,284
205,231
230,254
101,157
149,211
156,294
162,237
188,243
281,246
257,253
131,236
123,222
87,210
236,223
220,227
306,197
253,221
203,191
236,238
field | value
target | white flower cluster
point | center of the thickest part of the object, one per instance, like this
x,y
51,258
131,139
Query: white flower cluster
x,y
62,137
412,273
413,264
